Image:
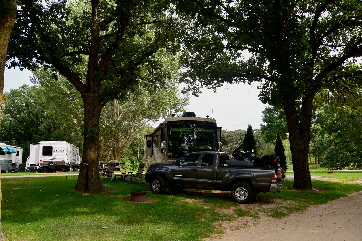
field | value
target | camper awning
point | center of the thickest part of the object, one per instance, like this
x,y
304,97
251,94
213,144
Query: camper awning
x,y
5,149
11,150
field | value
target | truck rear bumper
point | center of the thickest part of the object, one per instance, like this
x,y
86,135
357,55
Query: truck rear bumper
x,y
275,187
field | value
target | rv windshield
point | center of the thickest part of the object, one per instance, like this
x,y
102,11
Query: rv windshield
x,y
185,137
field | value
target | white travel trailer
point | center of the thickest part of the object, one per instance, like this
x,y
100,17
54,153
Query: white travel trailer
x,y
53,156
10,157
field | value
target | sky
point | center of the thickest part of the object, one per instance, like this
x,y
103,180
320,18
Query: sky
x,y
234,106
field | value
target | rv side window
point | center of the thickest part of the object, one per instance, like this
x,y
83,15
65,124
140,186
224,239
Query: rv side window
x,y
47,150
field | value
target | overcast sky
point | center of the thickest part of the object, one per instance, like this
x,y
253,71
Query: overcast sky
x,y
233,106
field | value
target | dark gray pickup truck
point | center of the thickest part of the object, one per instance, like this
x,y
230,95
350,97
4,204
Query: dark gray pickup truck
x,y
212,170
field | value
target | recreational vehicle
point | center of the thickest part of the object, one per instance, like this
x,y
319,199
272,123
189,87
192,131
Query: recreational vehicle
x,y
177,136
10,157
53,156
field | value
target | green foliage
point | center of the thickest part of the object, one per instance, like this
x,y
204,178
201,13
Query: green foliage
x,y
262,147
234,139
42,113
124,124
53,110
62,104
293,48
249,143
338,130
125,39
275,124
105,49
25,120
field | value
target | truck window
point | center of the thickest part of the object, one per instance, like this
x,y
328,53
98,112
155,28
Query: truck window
x,y
189,160
208,159
223,158
47,151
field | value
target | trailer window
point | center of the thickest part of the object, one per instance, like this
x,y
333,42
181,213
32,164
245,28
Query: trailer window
x,y
47,150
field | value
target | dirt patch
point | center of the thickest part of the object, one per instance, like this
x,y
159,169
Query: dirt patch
x,y
336,220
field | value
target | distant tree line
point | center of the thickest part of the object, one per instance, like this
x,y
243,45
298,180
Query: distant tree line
x,y
52,110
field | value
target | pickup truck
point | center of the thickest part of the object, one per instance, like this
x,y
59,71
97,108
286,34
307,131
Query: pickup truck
x,y
212,170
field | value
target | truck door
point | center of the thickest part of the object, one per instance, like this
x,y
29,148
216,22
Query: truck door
x,y
207,171
186,172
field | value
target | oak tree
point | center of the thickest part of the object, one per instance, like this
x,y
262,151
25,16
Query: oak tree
x,y
99,46
293,48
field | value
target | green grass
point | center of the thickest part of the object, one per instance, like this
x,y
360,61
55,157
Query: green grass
x,y
36,173
48,208
295,200
344,176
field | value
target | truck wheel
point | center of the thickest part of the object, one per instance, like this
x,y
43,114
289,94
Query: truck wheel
x,y
158,185
242,192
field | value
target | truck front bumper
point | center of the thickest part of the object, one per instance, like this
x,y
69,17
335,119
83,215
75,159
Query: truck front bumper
x,y
275,187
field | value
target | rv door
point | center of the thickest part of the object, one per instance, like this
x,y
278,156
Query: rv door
x,y
149,145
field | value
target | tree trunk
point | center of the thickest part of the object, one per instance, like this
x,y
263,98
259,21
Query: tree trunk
x,y
7,20
89,179
299,138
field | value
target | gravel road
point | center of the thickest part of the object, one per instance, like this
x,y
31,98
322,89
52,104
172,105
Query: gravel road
x,y
337,220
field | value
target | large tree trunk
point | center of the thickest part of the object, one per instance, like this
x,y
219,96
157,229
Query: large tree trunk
x,y
89,179
299,127
7,20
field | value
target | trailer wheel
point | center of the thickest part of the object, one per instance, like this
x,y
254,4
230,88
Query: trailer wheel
x,y
158,185
242,192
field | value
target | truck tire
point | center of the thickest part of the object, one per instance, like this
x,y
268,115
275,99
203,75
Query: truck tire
x,y
158,185
242,192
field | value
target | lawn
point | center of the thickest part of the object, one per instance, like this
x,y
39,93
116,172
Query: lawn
x,y
48,208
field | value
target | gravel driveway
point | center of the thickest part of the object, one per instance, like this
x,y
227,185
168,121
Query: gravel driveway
x,y
337,220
